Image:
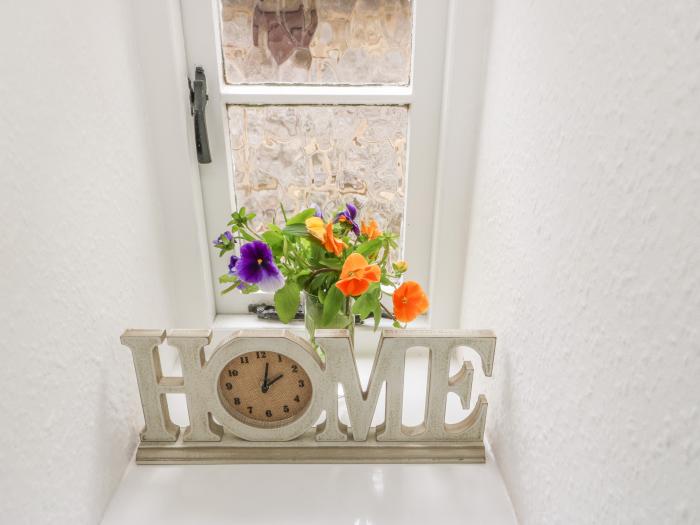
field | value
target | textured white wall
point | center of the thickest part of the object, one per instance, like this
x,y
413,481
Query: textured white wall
x,y
584,256
81,255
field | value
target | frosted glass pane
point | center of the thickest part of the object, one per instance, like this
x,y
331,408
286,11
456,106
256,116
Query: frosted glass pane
x,y
316,41
324,155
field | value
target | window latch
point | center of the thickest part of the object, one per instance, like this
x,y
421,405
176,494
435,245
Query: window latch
x,y
198,102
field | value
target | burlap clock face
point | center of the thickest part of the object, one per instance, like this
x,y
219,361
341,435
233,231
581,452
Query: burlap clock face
x,y
264,389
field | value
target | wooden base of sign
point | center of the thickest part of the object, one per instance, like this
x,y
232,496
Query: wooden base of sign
x,y
307,450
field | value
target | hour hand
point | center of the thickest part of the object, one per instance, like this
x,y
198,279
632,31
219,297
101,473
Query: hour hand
x,y
275,379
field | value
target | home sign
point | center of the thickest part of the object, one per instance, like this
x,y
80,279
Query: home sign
x,y
260,394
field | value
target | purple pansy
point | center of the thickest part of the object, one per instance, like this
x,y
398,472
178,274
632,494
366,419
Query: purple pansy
x,y
232,265
256,266
232,270
348,216
222,240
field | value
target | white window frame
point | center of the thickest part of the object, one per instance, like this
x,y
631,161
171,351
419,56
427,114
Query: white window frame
x,y
159,39
423,95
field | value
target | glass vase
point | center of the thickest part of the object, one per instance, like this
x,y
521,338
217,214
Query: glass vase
x,y
313,318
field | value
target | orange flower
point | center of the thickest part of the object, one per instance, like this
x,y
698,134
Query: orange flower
x,y
409,302
331,243
371,230
357,275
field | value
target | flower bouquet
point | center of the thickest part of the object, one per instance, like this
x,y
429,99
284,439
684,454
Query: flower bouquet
x,y
342,268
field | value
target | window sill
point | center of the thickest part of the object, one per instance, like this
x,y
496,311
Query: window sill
x,y
333,493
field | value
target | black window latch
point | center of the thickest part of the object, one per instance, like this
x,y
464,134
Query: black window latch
x,y
198,101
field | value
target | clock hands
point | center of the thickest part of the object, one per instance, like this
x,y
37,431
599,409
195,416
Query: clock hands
x,y
266,384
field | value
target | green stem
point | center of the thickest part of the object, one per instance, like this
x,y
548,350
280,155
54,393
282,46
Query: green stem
x,y
386,256
320,270
391,314
253,233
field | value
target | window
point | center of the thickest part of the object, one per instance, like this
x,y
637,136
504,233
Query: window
x,y
321,102
323,42
321,155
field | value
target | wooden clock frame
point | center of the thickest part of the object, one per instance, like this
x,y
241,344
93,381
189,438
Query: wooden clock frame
x,y
215,436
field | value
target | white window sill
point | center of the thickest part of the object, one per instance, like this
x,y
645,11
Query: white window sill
x,y
303,494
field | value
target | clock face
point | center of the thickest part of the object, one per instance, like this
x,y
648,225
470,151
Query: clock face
x,y
264,389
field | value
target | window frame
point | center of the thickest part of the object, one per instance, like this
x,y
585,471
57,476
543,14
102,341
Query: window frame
x,y
423,95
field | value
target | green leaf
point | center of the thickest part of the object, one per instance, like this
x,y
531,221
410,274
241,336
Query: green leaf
x,y
250,289
287,301
369,247
368,302
317,281
295,230
365,305
330,279
377,315
301,217
275,240
331,304
316,251
332,263
301,275
247,236
396,324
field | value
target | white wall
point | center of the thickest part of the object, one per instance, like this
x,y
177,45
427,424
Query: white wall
x,y
584,256
82,255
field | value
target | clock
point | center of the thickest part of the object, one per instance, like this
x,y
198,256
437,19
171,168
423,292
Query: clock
x,y
264,389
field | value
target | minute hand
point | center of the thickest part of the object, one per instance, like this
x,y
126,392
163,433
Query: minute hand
x,y
265,385
275,379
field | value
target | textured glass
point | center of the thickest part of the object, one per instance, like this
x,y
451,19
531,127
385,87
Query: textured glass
x,y
324,155
356,42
